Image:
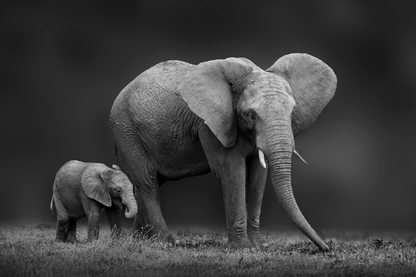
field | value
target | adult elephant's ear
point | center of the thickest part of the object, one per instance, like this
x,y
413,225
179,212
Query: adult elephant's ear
x,y
93,184
312,83
208,90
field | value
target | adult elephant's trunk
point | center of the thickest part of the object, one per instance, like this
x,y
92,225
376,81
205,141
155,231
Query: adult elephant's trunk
x,y
130,202
278,151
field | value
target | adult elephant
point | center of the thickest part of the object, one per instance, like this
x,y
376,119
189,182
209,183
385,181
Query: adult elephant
x,y
228,116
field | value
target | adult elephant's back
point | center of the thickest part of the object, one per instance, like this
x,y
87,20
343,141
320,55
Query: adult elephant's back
x,y
153,125
148,92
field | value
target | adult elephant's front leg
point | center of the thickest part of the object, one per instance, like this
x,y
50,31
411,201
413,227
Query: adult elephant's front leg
x,y
228,165
256,182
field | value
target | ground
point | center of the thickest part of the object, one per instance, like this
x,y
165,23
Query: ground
x,y
30,250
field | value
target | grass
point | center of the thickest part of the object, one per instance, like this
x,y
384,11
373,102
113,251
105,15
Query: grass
x,y
30,250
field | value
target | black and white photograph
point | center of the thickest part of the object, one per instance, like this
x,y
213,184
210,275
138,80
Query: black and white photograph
x,y
208,138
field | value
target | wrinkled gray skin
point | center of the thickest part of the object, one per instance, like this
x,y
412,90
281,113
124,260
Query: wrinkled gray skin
x,y
85,189
177,120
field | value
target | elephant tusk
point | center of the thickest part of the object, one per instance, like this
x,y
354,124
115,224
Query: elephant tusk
x,y
299,156
261,157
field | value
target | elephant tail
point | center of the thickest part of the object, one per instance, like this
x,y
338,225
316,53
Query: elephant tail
x,y
52,205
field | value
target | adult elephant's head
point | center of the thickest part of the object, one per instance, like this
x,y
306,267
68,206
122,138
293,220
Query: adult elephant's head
x,y
270,106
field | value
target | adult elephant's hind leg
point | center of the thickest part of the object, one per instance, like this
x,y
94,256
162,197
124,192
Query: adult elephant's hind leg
x,y
149,220
140,224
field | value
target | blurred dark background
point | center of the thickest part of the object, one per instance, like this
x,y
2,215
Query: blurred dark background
x,y
64,62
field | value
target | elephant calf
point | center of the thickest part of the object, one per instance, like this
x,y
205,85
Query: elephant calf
x,y
85,189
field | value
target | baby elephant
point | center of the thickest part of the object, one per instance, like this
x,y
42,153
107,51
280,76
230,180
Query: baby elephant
x,y
85,189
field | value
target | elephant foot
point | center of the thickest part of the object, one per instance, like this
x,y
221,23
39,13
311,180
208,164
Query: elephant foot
x,y
170,239
257,240
92,237
148,233
116,232
241,244
71,239
166,237
145,232
60,239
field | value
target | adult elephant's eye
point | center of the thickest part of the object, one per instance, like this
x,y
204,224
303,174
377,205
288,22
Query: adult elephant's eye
x,y
250,115
249,119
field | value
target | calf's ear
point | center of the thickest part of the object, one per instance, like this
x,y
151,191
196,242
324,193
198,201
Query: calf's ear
x,y
93,184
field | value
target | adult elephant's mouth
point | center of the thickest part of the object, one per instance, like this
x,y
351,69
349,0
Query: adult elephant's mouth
x,y
126,207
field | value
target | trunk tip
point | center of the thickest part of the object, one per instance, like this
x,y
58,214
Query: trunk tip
x,y
130,213
324,247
